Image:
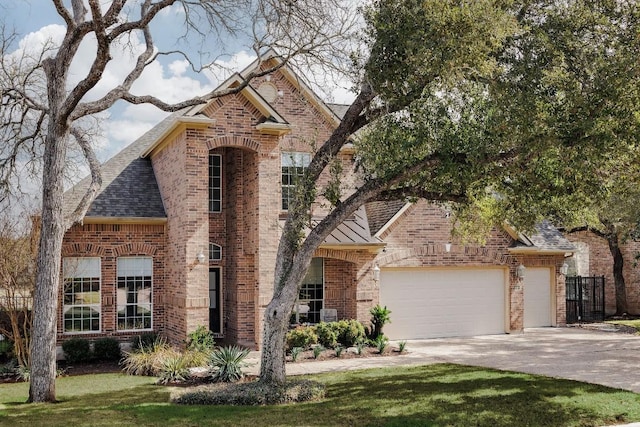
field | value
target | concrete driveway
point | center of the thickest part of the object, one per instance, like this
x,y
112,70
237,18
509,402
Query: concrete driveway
x,y
611,359
607,358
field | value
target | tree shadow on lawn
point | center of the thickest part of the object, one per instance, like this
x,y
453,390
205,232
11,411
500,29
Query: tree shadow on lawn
x,y
428,395
449,394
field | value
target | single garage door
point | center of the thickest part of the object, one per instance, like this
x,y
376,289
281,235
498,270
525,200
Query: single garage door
x,y
430,303
537,297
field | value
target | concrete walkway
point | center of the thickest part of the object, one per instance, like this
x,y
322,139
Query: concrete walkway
x,y
611,359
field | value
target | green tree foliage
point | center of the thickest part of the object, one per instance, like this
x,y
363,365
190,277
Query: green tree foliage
x,y
510,110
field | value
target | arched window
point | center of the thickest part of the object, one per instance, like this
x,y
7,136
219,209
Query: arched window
x,y
215,252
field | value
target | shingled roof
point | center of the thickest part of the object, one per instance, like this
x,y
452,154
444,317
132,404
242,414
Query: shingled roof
x,y
546,238
129,187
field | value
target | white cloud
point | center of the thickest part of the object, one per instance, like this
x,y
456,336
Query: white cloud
x,y
222,69
178,68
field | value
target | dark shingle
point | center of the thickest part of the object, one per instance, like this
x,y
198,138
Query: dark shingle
x,y
129,188
380,213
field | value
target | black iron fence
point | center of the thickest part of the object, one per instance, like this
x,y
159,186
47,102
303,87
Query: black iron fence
x,y
585,299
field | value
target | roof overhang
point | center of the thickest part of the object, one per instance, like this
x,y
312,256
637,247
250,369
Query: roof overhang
x,y
179,125
539,251
271,128
369,247
123,220
392,220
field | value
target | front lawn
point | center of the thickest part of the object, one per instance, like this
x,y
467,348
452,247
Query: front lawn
x,y
435,395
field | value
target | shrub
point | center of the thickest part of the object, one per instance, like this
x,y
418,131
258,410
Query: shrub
x,y
6,349
106,349
76,350
201,339
174,369
379,318
339,350
401,346
251,394
349,332
360,346
302,336
227,362
327,334
145,340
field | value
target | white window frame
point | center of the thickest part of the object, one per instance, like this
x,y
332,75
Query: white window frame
x,y
126,277
72,269
213,248
213,188
292,165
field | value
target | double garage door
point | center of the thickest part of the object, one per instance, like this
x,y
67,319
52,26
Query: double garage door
x,y
430,303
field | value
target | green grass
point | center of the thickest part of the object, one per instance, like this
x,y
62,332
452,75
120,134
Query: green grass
x,y
435,395
633,323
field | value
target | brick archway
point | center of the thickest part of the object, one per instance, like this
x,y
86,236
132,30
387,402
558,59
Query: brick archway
x,y
233,141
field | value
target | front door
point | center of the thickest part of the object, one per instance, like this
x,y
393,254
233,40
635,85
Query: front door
x,y
215,311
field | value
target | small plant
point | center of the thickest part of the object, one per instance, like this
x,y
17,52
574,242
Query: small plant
x,y
201,339
327,334
381,343
146,340
401,346
317,350
380,316
339,349
106,349
302,336
24,373
227,362
360,345
175,369
295,353
76,350
147,360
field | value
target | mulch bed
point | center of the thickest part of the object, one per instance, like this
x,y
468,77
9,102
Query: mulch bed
x,y
330,354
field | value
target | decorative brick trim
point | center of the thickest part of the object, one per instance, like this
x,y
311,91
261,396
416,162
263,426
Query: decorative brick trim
x,y
233,141
348,256
436,250
86,249
134,248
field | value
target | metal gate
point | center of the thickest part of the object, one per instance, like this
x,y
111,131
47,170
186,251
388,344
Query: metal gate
x,y
585,299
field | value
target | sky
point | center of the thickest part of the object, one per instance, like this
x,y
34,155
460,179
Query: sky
x,y
169,78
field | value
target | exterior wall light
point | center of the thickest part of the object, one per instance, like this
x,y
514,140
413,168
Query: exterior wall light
x,y
376,273
564,269
447,247
201,257
520,271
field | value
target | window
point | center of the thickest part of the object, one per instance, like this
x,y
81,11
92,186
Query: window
x,y
134,293
215,183
81,295
293,167
312,292
215,252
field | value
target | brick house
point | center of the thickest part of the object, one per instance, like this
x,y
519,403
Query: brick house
x,y
592,257
185,229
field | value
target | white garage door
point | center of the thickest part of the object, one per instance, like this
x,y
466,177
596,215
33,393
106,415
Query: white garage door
x,y
537,297
430,303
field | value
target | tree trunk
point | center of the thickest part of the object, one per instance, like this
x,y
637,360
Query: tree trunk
x,y
42,386
618,276
272,364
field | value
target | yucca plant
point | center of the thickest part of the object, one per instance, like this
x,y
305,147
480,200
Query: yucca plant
x,y
226,363
317,350
175,369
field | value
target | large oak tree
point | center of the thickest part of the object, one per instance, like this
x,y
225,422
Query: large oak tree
x,y
505,108
44,115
